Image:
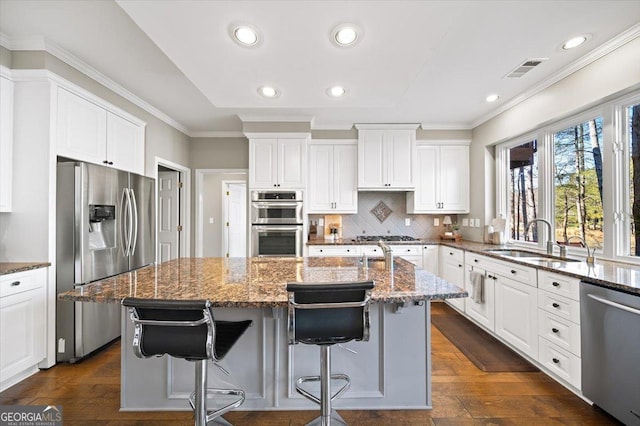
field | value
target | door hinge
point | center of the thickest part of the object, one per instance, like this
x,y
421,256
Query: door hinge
x,y
179,184
227,223
179,228
227,192
227,254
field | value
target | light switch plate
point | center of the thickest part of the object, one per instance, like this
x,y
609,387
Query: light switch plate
x,y
407,221
320,222
210,220
477,222
436,221
465,222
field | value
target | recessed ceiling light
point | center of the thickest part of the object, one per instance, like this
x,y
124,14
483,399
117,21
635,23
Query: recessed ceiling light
x,y
336,91
345,35
245,35
492,98
574,42
268,92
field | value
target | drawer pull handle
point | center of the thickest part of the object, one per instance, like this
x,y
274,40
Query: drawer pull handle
x,y
475,260
555,330
513,271
555,360
15,284
348,250
555,284
555,305
450,253
459,265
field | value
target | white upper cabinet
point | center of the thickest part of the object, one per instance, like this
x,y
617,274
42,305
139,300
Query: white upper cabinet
x,y
332,178
91,132
6,143
277,162
386,157
442,179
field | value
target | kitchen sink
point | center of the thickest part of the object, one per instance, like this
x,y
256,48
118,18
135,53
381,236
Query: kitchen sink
x,y
551,262
533,257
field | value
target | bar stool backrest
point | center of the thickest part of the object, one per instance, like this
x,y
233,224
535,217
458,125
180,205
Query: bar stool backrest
x,y
179,328
329,313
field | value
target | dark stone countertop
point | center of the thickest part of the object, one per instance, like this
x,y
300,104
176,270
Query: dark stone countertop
x,y
13,267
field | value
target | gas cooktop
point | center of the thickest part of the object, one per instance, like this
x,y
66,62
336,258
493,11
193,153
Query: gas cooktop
x,y
384,238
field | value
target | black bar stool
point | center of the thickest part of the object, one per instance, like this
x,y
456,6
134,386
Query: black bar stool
x,y
325,314
187,329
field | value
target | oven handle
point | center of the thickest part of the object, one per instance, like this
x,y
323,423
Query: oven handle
x,y
277,227
263,204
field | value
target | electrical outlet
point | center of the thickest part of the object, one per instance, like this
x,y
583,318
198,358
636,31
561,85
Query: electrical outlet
x,y
407,221
436,221
465,222
320,222
210,220
477,223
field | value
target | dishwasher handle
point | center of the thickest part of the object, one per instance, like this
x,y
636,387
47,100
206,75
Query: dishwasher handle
x,y
614,304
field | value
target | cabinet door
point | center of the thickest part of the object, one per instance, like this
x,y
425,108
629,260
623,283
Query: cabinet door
x,y
426,196
452,270
125,144
454,178
263,163
516,314
22,329
6,143
82,128
400,158
291,161
345,179
320,191
430,259
482,313
371,153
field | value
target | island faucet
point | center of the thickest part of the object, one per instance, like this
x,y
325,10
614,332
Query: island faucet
x,y
591,255
550,242
388,255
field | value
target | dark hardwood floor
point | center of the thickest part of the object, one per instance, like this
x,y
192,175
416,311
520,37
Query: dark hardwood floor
x,y
89,393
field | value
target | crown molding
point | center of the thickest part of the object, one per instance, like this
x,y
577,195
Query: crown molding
x,y
40,43
448,126
334,126
217,134
601,51
280,135
271,119
383,126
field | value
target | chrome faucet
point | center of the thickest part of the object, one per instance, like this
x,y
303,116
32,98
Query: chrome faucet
x,y
388,255
550,242
591,255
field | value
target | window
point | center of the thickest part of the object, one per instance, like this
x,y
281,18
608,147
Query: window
x,y
577,183
581,174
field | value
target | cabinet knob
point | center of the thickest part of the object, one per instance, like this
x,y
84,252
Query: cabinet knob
x,y
348,250
111,163
105,162
513,271
459,265
555,305
555,360
15,284
555,330
476,260
555,284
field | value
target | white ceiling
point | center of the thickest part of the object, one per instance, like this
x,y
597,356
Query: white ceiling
x,y
429,62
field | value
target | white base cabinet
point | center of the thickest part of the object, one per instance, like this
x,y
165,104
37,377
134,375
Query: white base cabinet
x,y
516,314
22,324
452,270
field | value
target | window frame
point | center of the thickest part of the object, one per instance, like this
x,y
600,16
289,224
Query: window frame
x,y
616,183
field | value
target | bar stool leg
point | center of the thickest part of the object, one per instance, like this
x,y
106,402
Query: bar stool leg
x,y
328,416
200,410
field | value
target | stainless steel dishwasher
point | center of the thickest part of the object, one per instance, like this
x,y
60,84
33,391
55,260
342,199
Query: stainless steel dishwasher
x,y
610,332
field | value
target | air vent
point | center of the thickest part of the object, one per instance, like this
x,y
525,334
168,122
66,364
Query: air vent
x,y
525,67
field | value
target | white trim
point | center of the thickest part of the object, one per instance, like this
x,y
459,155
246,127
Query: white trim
x,y
447,126
199,176
185,204
225,215
40,43
601,51
333,142
334,126
277,135
275,119
217,134
392,126
465,142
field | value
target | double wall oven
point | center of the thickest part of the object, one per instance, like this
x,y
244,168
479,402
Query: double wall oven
x,y
276,223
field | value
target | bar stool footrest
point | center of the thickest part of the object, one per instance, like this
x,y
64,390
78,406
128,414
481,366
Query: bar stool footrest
x,y
314,398
223,410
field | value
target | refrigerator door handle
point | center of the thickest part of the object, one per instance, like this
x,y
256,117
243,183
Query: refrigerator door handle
x,y
124,244
134,222
129,222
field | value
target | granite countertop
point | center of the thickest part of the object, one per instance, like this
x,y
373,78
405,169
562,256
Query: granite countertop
x,y
353,242
605,273
260,282
13,267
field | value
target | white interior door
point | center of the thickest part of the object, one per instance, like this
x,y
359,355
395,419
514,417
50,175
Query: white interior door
x,y
168,215
235,221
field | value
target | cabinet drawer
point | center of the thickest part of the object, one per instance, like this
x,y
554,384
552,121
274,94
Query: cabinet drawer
x,y
560,362
334,251
559,331
523,274
371,251
559,284
22,281
407,250
560,306
451,253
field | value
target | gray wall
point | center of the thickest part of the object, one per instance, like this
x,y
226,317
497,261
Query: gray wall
x,y
610,76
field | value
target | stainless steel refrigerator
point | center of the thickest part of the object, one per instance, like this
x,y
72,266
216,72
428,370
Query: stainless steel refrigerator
x,y
105,226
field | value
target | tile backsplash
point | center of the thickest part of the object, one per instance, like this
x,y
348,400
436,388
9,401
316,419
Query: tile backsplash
x,y
366,223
